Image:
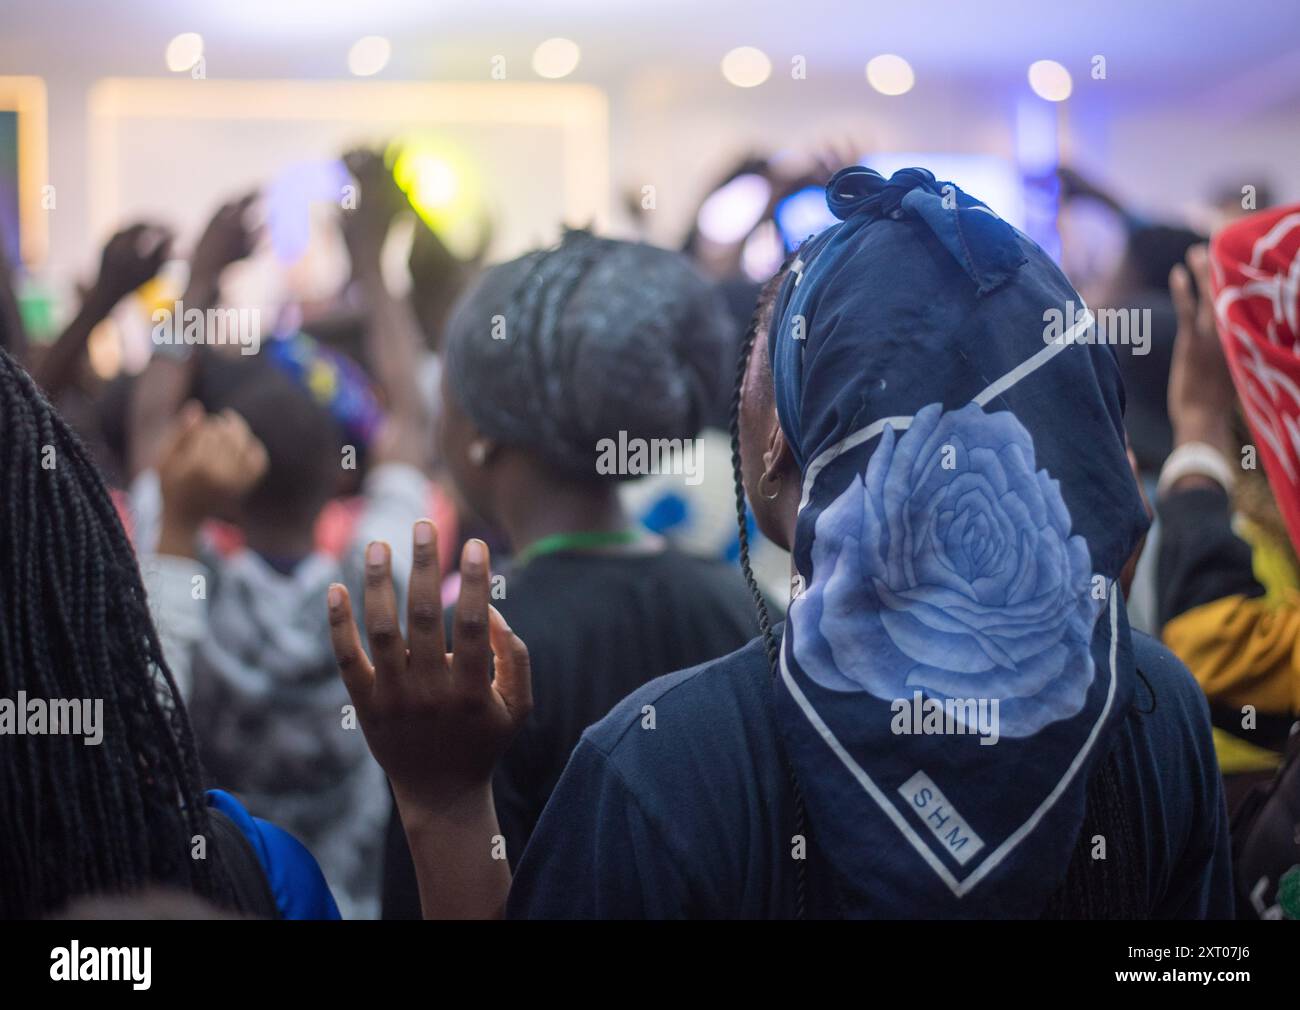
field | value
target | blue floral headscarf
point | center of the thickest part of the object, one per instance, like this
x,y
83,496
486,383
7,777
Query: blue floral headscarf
x,y
956,656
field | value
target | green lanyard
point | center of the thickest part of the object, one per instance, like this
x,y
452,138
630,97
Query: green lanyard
x,y
576,542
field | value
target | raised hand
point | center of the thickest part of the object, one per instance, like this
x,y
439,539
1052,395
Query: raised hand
x,y
227,239
206,467
436,722
1201,394
365,227
131,257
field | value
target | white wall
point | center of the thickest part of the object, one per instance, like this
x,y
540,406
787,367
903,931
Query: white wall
x,y
678,134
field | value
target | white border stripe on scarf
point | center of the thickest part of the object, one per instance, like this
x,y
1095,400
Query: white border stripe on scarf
x,y
961,887
996,389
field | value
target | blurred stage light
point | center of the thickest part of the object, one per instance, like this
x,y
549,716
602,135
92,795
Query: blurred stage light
x,y
1050,80
890,74
369,55
289,197
442,188
433,182
746,67
184,51
803,214
732,210
556,58
763,252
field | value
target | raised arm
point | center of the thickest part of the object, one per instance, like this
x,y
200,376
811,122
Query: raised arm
x,y
166,381
131,257
438,723
393,337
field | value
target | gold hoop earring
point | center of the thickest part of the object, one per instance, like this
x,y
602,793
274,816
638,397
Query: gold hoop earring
x,y
775,494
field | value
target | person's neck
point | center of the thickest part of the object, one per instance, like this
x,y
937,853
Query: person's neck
x,y
282,541
531,509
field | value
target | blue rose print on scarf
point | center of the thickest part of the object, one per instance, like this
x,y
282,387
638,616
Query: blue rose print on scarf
x,y
950,569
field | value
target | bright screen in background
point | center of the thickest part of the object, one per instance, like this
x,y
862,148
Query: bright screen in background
x,y
9,184
803,214
991,180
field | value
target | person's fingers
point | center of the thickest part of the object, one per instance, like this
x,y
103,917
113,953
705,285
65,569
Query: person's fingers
x,y
1198,261
130,236
239,453
469,638
358,675
152,242
211,442
248,459
161,253
236,428
424,603
191,413
387,650
513,680
1180,289
184,431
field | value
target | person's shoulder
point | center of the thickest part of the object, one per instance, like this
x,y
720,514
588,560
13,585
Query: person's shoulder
x,y
712,568
1169,724
1177,788
1168,680
709,580
711,702
294,878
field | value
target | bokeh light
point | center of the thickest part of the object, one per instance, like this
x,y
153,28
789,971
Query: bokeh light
x,y
890,74
184,51
556,58
1050,80
746,67
369,55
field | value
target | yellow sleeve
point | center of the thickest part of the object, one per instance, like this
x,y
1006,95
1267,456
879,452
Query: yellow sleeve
x,y
1242,651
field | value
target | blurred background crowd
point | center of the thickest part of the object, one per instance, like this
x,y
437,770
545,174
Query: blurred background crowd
x,y
332,179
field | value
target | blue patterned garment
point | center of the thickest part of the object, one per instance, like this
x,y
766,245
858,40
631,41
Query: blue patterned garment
x,y
958,656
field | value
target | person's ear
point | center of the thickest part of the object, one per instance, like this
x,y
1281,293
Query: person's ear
x,y
779,469
778,459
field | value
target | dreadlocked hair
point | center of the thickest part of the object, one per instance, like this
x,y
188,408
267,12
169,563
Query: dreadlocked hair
x,y
760,602
1093,888
79,819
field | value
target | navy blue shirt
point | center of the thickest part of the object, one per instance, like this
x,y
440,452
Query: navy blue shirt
x,y
694,817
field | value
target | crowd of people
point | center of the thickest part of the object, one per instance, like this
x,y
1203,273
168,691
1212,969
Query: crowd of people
x,y
373,626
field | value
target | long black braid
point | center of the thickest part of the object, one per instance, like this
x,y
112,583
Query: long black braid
x,y
760,602
80,819
1113,887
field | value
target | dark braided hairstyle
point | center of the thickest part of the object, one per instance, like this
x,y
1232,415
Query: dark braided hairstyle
x,y
76,818
765,300
597,336
1093,888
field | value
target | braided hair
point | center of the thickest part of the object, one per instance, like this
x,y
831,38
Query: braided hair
x,y
765,300
79,818
1113,887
